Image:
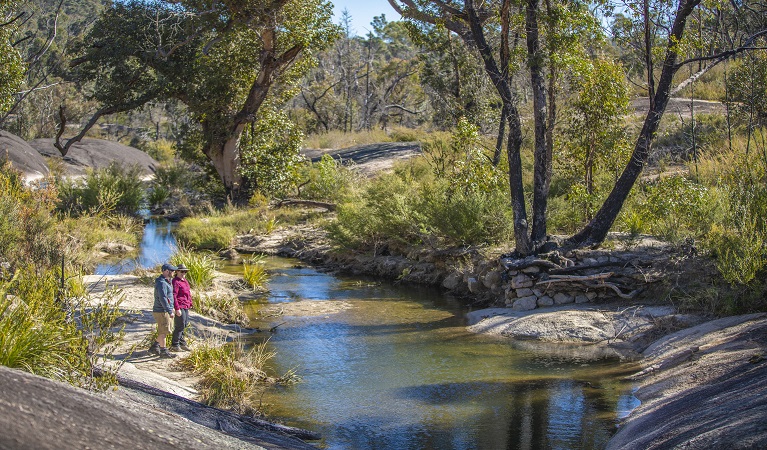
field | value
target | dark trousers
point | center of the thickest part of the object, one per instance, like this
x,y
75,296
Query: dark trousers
x,y
179,324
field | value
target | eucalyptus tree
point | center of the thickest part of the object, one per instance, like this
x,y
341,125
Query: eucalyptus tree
x,y
365,81
473,24
737,26
42,30
224,61
455,82
515,38
389,88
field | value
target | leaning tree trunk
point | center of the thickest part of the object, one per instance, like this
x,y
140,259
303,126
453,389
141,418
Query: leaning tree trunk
x,y
596,231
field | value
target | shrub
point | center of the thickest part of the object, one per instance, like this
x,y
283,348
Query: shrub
x,y
60,339
103,191
27,230
739,253
328,179
254,272
162,150
202,267
202,234
232,377
452,196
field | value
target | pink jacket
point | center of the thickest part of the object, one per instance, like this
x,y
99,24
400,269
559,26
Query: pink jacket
x,y
182,294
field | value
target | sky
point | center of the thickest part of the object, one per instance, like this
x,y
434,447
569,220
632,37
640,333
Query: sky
x,y
362,12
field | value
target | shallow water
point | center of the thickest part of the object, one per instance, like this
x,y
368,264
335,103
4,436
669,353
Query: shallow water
x,y
395,368
157,245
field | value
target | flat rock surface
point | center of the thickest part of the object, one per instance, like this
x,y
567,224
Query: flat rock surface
x,y
703,387
39,413
369,159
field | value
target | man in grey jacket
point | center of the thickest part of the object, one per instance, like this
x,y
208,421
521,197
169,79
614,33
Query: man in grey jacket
x,y
163,311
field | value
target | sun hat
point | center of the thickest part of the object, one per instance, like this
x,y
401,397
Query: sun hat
x,y
182,268
167,266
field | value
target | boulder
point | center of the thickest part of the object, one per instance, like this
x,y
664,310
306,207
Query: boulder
x,y
96,154
22,156
39,413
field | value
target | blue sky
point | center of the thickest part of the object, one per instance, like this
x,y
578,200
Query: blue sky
x,y
362,12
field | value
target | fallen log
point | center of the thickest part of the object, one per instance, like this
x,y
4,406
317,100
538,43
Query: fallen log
x,y
579,278
311,203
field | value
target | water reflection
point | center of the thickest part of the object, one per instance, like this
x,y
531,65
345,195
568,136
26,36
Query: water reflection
x,y
398,370
157,245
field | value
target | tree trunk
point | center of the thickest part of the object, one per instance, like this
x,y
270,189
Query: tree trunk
x,y
226,160
596,231
514,144
542,170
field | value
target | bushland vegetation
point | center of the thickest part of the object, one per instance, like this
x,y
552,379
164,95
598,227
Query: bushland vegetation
x,y
48,324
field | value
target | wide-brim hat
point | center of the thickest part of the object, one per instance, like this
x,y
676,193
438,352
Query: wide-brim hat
x,y
182,268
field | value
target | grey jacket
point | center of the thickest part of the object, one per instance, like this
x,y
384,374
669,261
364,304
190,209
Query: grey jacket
x,y
163,296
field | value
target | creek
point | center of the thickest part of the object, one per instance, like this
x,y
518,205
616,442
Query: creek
x,y
157,245
386,366
389,366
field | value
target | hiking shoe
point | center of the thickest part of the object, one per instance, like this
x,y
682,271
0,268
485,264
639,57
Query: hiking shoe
x,y
185,347
154,349
164,353
175,348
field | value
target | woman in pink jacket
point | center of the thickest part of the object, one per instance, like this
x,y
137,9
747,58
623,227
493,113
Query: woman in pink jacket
x,y
182,302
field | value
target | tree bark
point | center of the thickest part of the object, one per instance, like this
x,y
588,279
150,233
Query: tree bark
x,y
502,83
542,169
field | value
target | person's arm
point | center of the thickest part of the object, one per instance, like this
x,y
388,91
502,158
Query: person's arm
x,y
168,298
177,291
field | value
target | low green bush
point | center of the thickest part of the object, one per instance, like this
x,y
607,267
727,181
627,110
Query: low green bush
x,y
54,335
202,234
254,272
328,179
103,191
233,377
202,267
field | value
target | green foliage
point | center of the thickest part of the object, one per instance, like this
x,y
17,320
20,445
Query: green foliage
x,y
328,179
35,335
269,151
162,150
158,195
675,207
26,224
204,234
11,64
211,60
202,267
102,192
454,196
232,377
64,339
739,253
254,272
747,89
594,138
219,307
